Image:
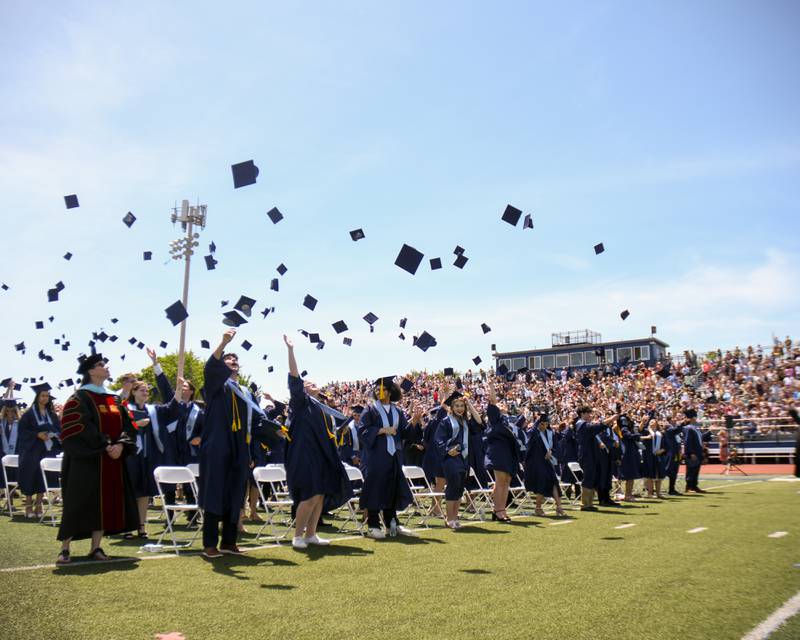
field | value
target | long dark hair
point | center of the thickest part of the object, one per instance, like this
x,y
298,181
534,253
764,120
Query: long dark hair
x,y
48,407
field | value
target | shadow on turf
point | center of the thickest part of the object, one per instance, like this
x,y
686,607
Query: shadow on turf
x,y
476,572
279,587
613,538
226,565
83,567
315,552
468,528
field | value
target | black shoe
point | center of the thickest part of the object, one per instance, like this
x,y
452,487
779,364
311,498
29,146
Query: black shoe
x,y
496,518
674,493
699,490
588,508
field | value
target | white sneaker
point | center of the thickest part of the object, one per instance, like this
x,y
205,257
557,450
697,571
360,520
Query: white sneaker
x,y
315,539
299,543
405,531
376,534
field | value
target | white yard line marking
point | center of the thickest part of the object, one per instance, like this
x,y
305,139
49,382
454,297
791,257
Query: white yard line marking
x,y
732,483
555,524
785,479
697,530
789,608
626,526
778,534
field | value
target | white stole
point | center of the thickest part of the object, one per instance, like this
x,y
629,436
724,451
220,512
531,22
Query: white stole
x,y
41,421
10,441
463,440
391,446
547,438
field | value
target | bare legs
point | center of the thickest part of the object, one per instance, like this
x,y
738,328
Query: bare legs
x,y
502,481
308,512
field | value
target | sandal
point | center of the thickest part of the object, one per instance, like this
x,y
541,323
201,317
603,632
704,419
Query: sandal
x,y
63,558
142,534
539,512
98,555
560,513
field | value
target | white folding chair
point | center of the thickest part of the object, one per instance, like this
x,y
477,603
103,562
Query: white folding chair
x,y
274,477
422,493
576,470
194,468
10,462
479,498
175,476
356,479
50,465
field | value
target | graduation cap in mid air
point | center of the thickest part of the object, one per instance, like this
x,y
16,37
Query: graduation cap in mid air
x,y
494,347
477,360
39,324
274,284
436,263
270,369
624,315
511,215
129,219
233,319
485,328
448,371
458,250
52,295
211,262
403,322
281,268
212,247
357,234
275,215
244,173
370,318
461,261
4,286
245,305
163,344
7,383
71,201
347,341
402,336
147,255
408,259
267,311
598,249
502,370
20,346
246,345
309,302
406,385
313,338
176,312
67,256
205,344
425,341
340,326
527,222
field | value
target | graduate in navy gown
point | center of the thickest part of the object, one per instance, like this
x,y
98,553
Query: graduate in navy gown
x,y
503,455
652,458
541,464
316,476
566,452
693,451
630,469
384,428
606,458
674,440
432,461
586,433
9,433
347,441
38,433
232,420
151,422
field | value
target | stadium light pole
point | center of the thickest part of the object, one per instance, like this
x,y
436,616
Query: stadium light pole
x,y
183,248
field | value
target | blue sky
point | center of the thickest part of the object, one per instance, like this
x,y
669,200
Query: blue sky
x,y
667,131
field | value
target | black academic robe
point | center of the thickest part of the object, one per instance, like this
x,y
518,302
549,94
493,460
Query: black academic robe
x,y
31,449
96,491
503,452
585,433
540,473
178,449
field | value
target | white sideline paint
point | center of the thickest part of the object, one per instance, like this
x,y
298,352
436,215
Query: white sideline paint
x,y
778,534
789,608
697,530
555,524
732,483
626,526
785,479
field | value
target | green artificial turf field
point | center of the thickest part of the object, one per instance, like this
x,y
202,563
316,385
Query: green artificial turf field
x,y
534,578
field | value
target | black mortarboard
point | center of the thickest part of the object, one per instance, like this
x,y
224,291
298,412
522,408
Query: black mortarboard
x,y
244,173
408,259
303,373
113,320
347,341
357,408
205,344
511,215
270,369
246,345
624,314
304,332
52,295
477,360
313,338
494,347
599,248
129,219
357,234
425,341
402,336
458,250
212,247
102,336
86,363
38,388
274,284
211,262
281,268
20,346
67,256
275,215
266,311
309,302
140,345
147,255
59,286
652,328
527,222
320,345
340,326
502,370
436,263
233,319
223,303
4,286
599,352
485,328
245,305
461,261
371,318
452,397
264,357
163,344
39,324
690,413
176,312
406,385
71,201
448,371
403,323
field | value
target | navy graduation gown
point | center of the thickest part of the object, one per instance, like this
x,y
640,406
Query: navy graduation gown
x,y
385,487
673,446
477,452
604,459
178,449
313,466
143,463
567,451
502,447
540,473
31,450
652,467
444,440
432,460
585,433
631,460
